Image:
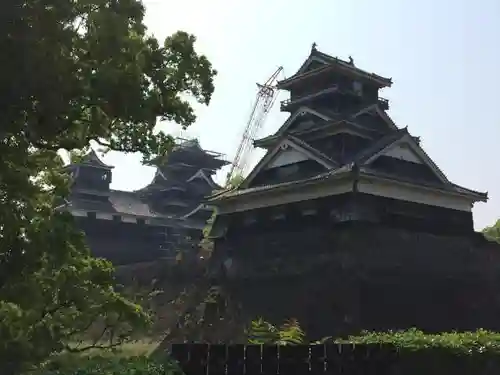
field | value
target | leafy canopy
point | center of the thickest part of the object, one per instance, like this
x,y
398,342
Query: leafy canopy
x,y
75,71
493,233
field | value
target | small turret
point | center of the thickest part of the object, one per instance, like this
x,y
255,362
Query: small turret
x,y
90,174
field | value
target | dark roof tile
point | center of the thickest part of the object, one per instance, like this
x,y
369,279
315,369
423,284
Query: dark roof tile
x,y
92,159
130,203
322,176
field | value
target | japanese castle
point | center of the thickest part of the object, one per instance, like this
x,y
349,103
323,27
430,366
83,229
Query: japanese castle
x,y
157,221
339,158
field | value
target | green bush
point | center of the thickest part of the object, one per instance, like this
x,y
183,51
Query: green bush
x,y
436,354
110,366
262,332
419,353
459,342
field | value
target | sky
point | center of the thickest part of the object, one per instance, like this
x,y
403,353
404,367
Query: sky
x,y
443,57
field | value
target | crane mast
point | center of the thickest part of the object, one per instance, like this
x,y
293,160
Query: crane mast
x,y
265,99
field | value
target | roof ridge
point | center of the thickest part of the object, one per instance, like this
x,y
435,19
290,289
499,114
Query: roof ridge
x,y
347,64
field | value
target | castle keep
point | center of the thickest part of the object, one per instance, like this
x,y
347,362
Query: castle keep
x,y
347,223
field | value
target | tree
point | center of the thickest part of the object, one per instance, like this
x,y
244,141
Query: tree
x,y
493,233
75,71
235,181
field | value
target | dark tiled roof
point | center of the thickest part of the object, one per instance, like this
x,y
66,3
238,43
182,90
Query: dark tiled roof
x,y
323,176
280,132
337,119
349,66
365,154
445,187
335,61
466,190
131,204
336,172
387,141
190,148
118,202
358,159
92,205
312,150
92,159
135,203
380,145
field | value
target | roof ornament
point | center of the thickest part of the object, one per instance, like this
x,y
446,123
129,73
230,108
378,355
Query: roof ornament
x,y
351,60
313,47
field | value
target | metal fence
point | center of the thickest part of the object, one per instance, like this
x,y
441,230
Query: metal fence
x,y
201,359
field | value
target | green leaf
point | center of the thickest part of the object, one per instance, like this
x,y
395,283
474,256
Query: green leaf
x,y
78,72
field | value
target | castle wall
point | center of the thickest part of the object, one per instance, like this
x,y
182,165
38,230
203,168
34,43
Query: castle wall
x,y
124,243
344,279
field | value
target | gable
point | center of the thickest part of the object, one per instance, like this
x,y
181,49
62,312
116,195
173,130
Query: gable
x,y
287,173
342,146
286,157
403,154
405,170
306,121
312,63
200,175
303,119
374,117
286,154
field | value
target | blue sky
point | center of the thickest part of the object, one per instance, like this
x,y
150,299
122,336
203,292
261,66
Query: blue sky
x,y
443,57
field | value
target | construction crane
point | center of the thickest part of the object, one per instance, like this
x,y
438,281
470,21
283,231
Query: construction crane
x,y
265,99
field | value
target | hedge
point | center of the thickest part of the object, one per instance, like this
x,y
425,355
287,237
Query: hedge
x,y
479,341
418,353
110,366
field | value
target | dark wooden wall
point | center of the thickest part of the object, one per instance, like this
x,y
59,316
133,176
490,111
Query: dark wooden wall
x,y
124,243
344,279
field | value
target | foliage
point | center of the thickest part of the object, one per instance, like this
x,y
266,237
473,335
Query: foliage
x,y
78,71
262,332
463,342
206,244
493,233
110,366
234,181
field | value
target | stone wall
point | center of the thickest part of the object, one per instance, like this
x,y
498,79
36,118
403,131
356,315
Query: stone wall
x,y
343,279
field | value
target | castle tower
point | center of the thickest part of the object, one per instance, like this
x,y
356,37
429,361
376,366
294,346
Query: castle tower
x,y
346,223
155,222
339,157
182,181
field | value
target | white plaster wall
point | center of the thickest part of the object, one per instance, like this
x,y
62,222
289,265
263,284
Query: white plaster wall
x,y
403,152
416,195
286,157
